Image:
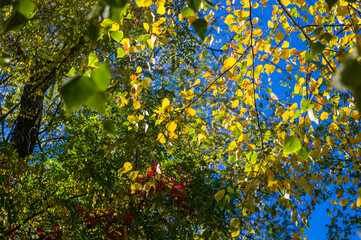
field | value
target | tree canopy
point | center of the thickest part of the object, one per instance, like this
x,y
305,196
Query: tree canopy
x,y
196,119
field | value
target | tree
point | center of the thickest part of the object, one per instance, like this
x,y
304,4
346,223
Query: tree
x,y
171,119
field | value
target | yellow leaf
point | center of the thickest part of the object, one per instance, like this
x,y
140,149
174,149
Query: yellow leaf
x,y
333,128
322,101
219,195
190,111
344,202
297,88
235,103
171,126
269,68
235,233
355,115
201,137
133,119
144,3
286,2
187,94
206,75
285,44
115,27
279,37
286,116
161,9
136,104
232,146
244,14
161,138
196,83
126,168
294,106
230,19
93,60
146,26
324,116
135,186
359,202
230,62
165,103
234,222
139,69
285,54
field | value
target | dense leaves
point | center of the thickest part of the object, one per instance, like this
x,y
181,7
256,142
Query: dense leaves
x,y
178,119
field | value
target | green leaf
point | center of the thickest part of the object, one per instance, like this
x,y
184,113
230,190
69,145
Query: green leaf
x,y
327,36
194,4
303,153
117,3
109,126
317,48
309,56
93,31
330,3
116,13
22,12
200,27
291,145
117,35
349,74
305,105
187,12
97,101
318,30
71,72
120,52
25,7
93,60
77,90
101,77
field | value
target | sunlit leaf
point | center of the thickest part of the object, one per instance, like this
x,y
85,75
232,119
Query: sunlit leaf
x,y
186,12
291,145
171,126
161,138
117,35
126,168
235,233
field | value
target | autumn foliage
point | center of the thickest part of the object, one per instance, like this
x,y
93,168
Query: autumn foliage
x,y
196,119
